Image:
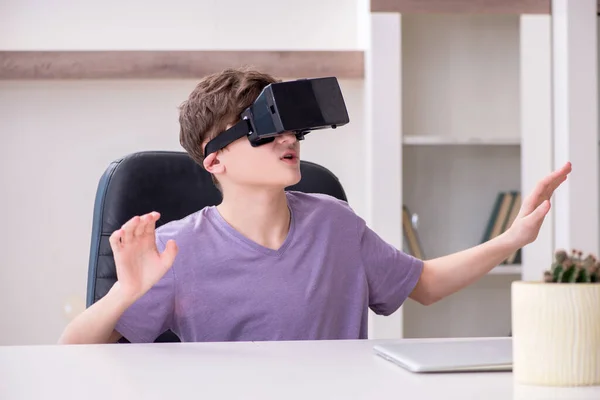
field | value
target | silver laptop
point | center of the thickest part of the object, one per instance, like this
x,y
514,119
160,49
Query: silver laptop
x,y
449,355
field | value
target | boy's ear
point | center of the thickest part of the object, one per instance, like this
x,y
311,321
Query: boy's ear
x,y
212,163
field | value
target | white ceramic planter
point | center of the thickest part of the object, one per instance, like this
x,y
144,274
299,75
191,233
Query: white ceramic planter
x,y
556,333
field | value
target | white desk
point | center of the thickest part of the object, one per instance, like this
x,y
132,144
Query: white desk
x,y
264,370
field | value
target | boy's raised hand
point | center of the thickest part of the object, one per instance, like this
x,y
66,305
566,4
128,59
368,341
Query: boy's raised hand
x,y
527,225
138,262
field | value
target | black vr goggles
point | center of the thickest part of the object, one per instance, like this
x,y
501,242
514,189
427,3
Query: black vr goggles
x,y
298,107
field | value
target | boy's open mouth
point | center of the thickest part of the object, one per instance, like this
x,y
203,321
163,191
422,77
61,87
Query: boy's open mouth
x,y
290,157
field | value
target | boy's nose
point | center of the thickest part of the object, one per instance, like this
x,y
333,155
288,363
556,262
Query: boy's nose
x,y
286,137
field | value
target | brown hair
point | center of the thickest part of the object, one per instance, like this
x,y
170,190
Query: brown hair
x,y
216,101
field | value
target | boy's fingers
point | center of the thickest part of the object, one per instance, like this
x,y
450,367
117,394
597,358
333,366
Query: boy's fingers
x,y
540,212
151,225
141,226
115,239
168,256
128,229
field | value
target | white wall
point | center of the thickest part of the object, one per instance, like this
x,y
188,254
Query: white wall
x,y
57,137
177,24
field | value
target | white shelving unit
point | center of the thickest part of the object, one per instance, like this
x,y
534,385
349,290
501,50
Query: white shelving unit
x,y
426,140
461,136
459,107
509,269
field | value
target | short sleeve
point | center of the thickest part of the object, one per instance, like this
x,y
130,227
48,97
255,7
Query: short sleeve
x,y
391,274
152,314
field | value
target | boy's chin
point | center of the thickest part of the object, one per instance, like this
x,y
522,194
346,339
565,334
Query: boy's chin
x,y
293,182
275,179
286,181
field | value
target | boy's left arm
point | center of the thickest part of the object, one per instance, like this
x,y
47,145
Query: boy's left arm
x,y
446,275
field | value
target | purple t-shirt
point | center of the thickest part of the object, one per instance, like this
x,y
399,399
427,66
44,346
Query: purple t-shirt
x,y
319,285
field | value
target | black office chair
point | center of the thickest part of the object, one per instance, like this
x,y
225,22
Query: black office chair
x,y
173,184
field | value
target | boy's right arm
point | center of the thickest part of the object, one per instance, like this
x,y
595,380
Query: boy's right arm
x,y
139,267
97,323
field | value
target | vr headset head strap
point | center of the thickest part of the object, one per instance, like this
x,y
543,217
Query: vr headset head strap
x,y
237,131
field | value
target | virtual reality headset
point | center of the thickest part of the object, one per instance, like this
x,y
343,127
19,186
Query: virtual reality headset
x,y
297,107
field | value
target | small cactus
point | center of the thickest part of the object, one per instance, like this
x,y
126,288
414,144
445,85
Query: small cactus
x,y
573,268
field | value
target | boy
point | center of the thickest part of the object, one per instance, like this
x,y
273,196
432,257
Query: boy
x,y
267,264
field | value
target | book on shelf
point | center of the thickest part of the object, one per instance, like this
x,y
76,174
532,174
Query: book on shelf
x,y
504,211
412,244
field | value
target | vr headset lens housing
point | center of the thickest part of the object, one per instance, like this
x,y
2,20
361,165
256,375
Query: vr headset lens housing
x,y
298,106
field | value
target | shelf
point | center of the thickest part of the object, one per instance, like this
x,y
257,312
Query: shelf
x,y
176,64
506,270
463,6
440,140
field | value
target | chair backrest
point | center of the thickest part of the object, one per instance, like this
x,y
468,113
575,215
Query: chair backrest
x,y
173,184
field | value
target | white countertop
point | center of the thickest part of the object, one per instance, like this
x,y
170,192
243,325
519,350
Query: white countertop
x,y
259,370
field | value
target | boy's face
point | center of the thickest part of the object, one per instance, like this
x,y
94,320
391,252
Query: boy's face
x,y
272,165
